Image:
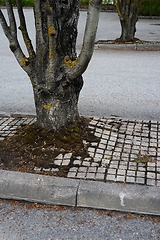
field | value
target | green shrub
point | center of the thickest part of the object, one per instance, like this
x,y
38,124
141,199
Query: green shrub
x,y
150,8
26,3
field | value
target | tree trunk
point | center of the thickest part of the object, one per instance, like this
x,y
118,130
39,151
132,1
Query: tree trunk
x,y
128,15
53,67
56,96
128,27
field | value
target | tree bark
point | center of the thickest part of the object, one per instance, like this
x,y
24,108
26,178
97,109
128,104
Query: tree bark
x,y
128,15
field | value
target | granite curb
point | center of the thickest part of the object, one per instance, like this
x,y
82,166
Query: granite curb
x,y
79,193
128,47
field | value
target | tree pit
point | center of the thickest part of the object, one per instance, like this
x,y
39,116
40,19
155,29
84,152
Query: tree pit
x,y
34,147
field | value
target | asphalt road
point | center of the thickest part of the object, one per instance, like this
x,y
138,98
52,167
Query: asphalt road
x,y
21,221
121,83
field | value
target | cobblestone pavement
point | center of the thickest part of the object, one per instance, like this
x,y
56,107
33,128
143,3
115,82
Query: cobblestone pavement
x,y
128,151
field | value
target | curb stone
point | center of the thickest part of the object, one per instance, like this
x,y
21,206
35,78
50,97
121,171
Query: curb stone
x,y
131,47
79,193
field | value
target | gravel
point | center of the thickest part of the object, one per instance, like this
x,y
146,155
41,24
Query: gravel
x,y
24,221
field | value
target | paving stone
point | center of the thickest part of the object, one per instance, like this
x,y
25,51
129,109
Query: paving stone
x,y
97,134
57,162
110,177
94,144
54,169
140,174
150,175
46,169
73,169
158,183
67,156
111,171
151,169
134,164
98,155
130,173
96,159
99,151
140,180
93,164
81,175
77,162
99,176
92,169
151,182
101,170
103,141
65,162
114,162
106,132
151,164
133,168
98,130
71,174
105,162
82,169
91,149
93,122
90,176
121,172
110,148
123,167
86,163
142,169
101,146
37,169
110,143
130,179
59,157
91,127
91,154
120,178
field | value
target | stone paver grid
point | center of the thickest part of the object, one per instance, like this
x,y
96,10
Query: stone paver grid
x,y
128,151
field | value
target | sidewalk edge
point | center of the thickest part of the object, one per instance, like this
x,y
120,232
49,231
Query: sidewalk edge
x,y
80,193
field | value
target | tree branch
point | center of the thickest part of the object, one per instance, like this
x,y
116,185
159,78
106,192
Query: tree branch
x,y
11,17
5,27
77,67
24,31
11,34
38,21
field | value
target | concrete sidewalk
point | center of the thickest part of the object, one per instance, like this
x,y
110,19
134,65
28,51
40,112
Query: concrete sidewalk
x,y
121,173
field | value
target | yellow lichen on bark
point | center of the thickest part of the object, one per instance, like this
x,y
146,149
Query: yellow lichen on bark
x,y
69,63
24,62
51,30
47,106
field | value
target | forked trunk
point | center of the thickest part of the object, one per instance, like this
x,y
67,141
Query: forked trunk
x,y
128,26
53,67
128,15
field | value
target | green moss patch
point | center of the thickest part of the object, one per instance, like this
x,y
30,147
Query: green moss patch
x,y
144,159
